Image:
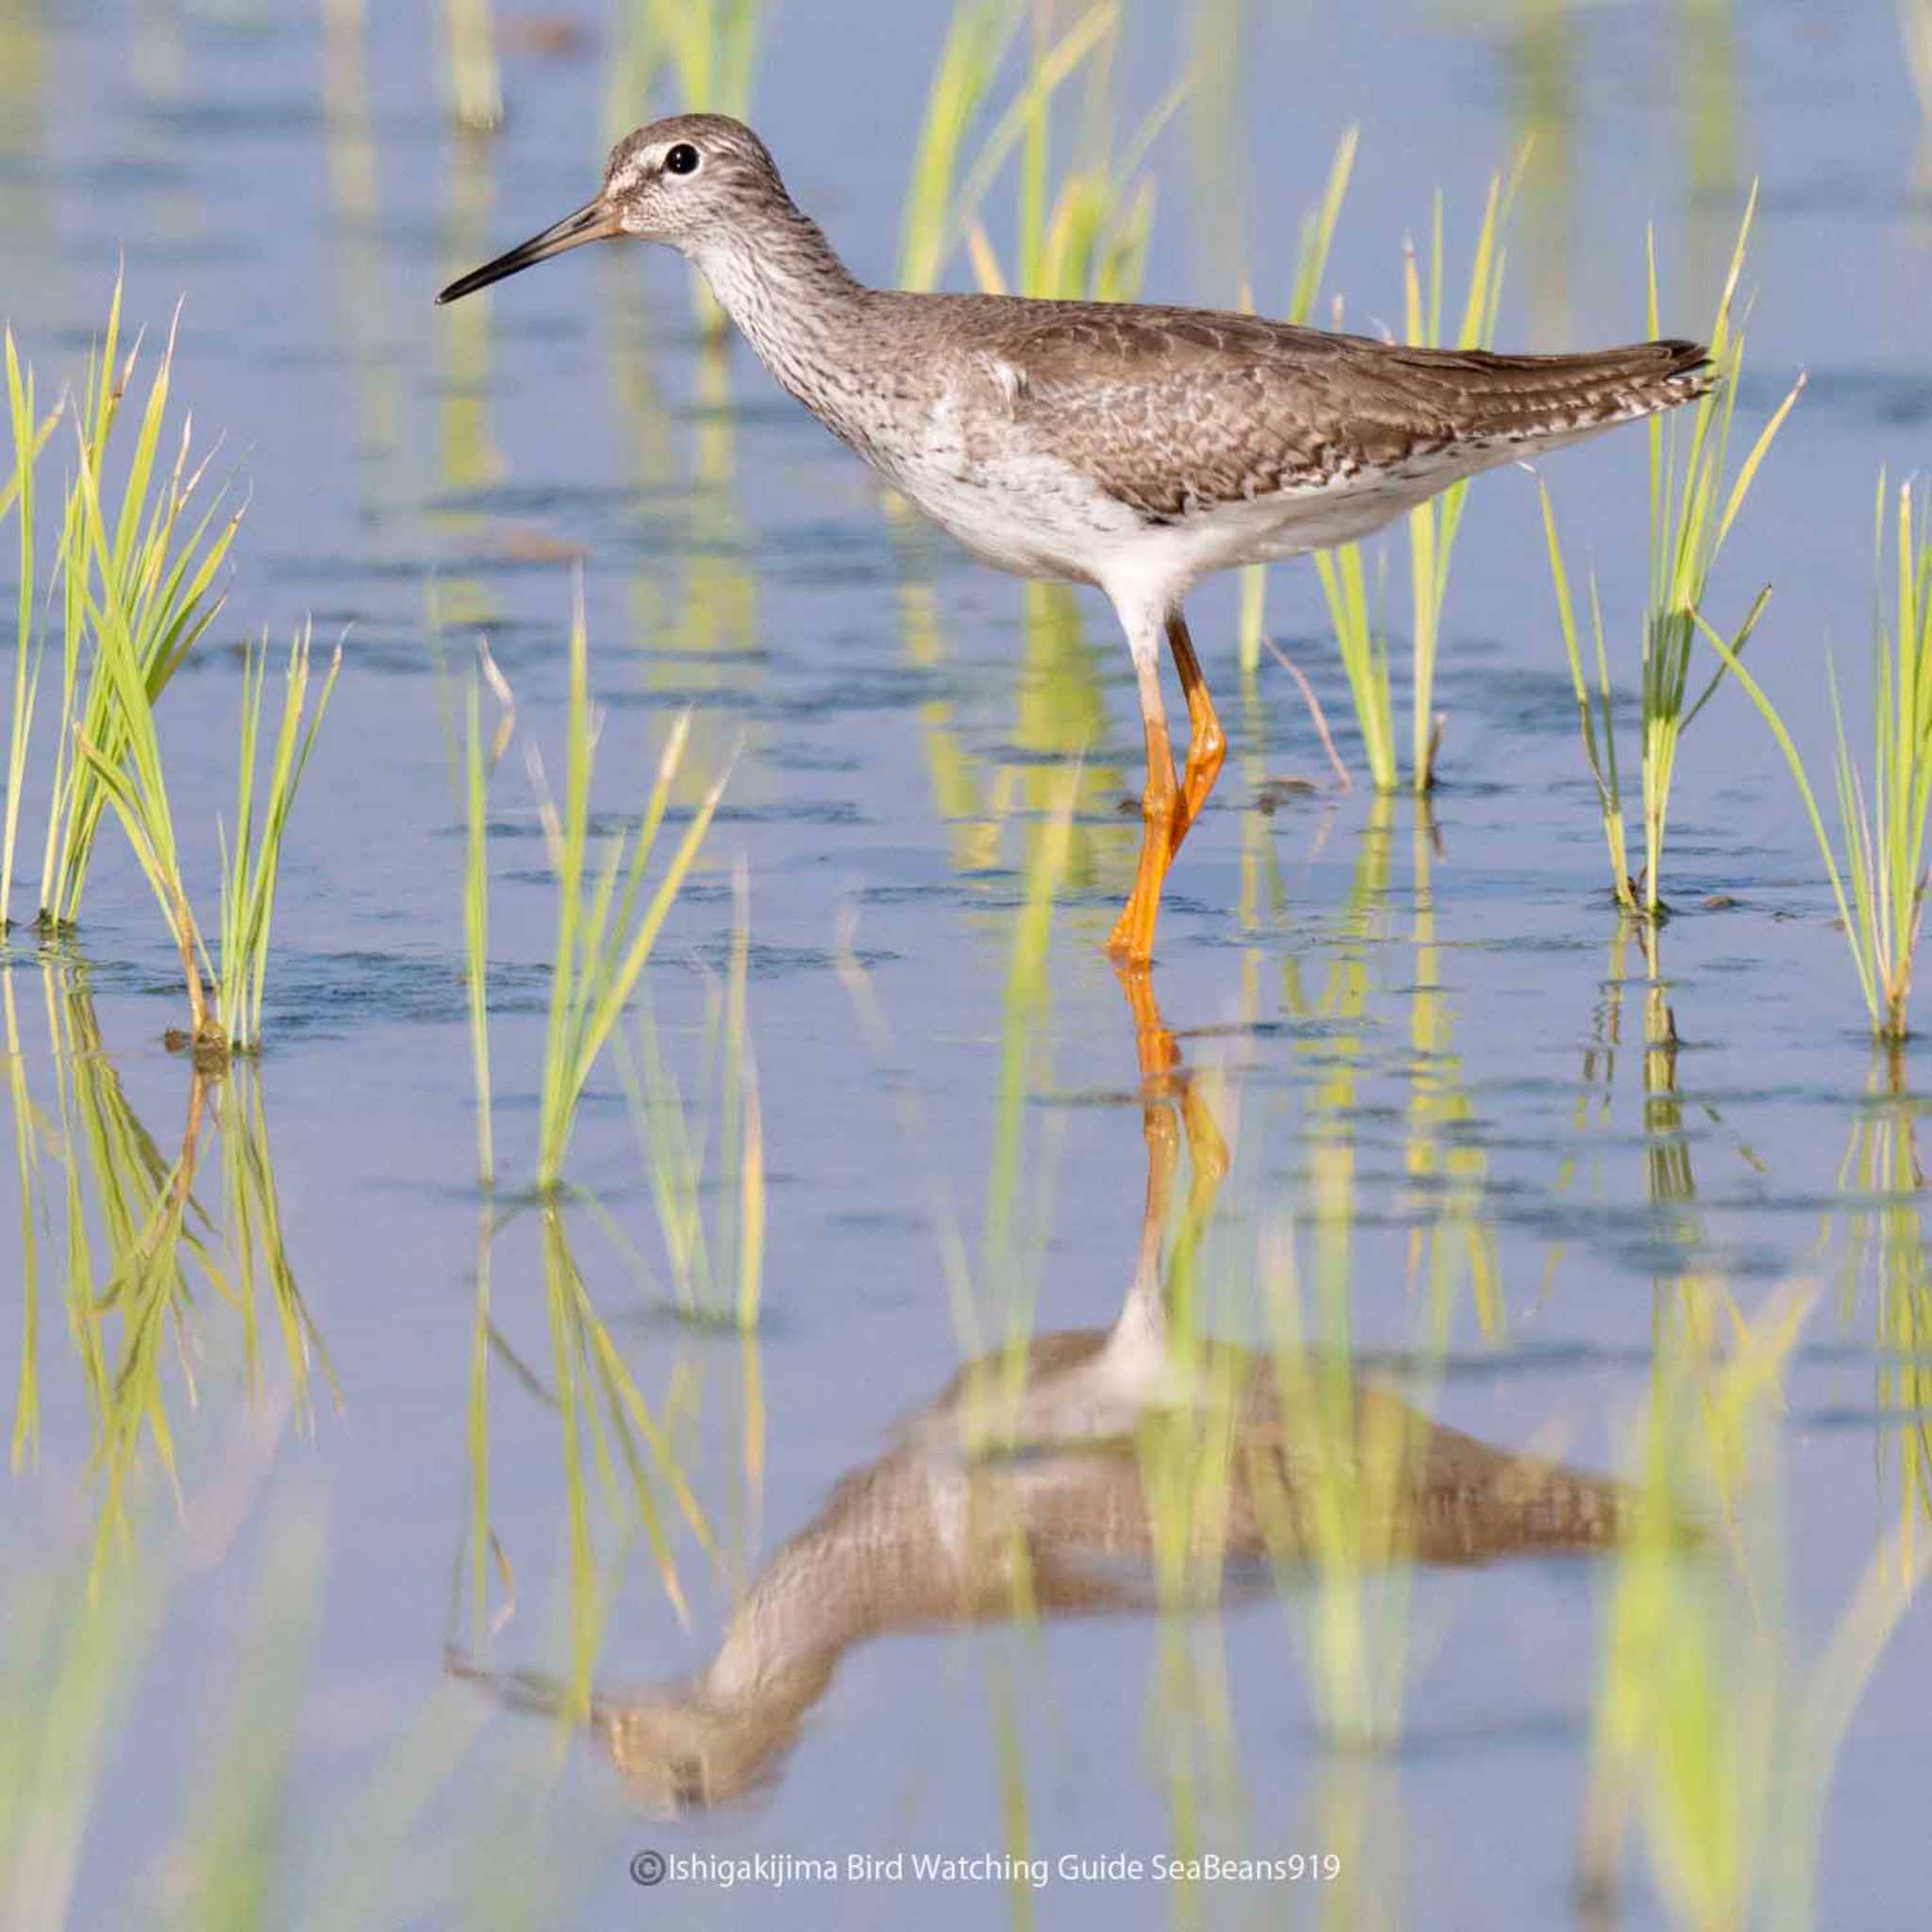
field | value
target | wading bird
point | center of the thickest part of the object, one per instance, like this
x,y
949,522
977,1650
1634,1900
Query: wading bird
x,y
1135,448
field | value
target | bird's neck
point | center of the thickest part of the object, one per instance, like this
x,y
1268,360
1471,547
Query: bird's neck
x,y
791,296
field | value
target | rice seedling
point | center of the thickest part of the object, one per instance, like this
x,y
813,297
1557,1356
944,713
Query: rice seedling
x,y
709,48
1310,270
1708,1735
951,771
1882,1181
127,1236
468,458
1546,68
1692,508
258,1250
482,1544
252,861
1087,236
1710,108
1446,1163
605,929
30,432
606,926
717,1268
138,591
1432,526
472,82
1883,808
1364,649
28,1133
478,767
146,1288
1668,1175
116,1175
611,1434
977,37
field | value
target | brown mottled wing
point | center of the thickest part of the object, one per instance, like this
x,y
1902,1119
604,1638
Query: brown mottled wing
x,y
1178,410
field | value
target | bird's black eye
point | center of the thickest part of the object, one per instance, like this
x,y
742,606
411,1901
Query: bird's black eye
x,y
682,160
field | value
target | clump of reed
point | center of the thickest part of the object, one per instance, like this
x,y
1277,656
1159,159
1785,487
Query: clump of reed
x,y
125,1232
609,1428
1883,807
601,1409
709,48
136,582
135,574
605,926
608,920
1692,510
1082,234
251,856
1432,526
971,58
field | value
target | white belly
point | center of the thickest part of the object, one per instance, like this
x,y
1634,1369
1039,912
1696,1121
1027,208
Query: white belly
x,y
1035,516
1038,516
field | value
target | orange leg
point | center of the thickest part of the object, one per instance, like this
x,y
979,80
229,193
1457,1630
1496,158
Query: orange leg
x,y
1132,938
1207,743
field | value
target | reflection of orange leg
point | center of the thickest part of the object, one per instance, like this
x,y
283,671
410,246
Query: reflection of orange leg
x,y
1163,1077
1175,1111
1207,743
1153,1043
1132,938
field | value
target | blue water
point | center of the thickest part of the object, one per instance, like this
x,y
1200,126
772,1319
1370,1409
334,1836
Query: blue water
x,y
417,476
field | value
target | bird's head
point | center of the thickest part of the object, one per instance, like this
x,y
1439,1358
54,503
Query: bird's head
x,y
675,181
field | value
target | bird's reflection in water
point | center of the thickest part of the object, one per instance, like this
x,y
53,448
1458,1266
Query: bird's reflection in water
x,y
1029,1486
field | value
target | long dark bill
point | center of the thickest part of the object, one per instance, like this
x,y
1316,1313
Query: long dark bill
x,y
594,222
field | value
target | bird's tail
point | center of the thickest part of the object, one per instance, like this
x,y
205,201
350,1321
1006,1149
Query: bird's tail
x,y
1542,399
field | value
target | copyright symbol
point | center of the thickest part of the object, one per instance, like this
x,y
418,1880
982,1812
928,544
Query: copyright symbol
x,y
647,1868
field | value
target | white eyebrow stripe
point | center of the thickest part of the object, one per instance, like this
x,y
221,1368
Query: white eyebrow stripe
x,y
645,161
